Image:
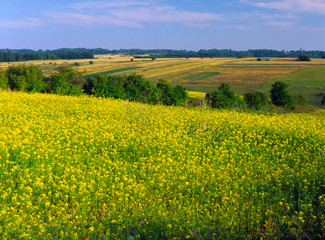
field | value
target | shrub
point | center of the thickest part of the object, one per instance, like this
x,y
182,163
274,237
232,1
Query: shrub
x,y
224,97
65,81
166,91
180,95
255,100
138,88
303,58
105,86
25,78
91,62
280,95
300,100
3,79
171,96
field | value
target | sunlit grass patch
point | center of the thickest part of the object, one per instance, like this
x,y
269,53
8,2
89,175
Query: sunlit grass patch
x,y
196,95
201,75
120,70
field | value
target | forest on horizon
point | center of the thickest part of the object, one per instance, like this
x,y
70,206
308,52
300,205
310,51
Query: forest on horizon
x,y
16,55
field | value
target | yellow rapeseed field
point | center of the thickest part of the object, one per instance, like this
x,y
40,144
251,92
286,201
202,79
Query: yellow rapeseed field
x,y
88,168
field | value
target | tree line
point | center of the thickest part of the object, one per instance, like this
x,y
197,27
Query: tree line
x,y
203,53
225,98
27,55
7,55
66,80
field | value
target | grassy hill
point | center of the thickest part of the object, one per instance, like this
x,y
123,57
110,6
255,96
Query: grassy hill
x,y
309,82
88,168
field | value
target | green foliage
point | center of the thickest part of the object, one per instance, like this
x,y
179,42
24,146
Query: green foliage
x,y
180,95
135,88
280,95
66,81
105,86
25,78
171,96
303,58
300,100
255,100
323,100
3,79
224,97
166,92
91,62
138,88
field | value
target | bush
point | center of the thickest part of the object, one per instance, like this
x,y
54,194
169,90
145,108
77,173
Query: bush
x,y
300,100
105,86
91,62
303,58
65,81
224,97
280,95
25,78
180,95
166,92
138,88
3,80
135,88
255,100
171,96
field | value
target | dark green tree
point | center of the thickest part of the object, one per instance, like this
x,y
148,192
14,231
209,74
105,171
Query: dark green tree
x,y
180,95
166,92
224,97
280,95
25,78
105,86
255,100
138,88
303,58
65,81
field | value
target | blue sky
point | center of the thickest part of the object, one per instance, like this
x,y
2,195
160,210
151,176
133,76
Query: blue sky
x,y
182,24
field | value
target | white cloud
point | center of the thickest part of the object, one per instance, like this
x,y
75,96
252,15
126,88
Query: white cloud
x,y
130,14
24,23
279,24
312,6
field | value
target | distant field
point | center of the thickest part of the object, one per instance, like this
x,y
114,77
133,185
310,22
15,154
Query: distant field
x,y
203,75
